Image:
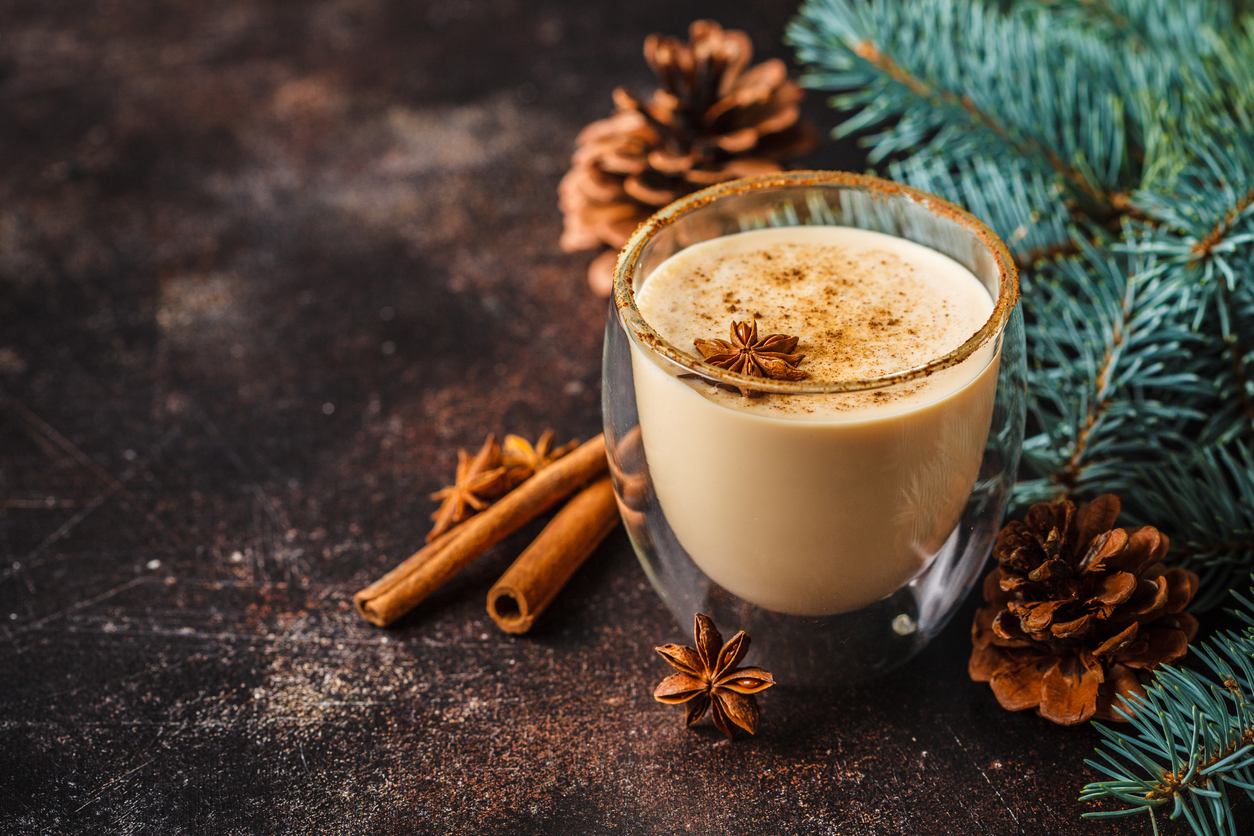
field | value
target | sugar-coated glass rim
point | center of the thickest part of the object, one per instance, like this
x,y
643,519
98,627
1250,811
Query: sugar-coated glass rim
x,y
649,340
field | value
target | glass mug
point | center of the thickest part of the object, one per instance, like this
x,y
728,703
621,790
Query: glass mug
x,y
853,573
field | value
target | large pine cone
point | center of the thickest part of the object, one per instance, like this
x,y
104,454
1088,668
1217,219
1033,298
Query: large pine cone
x,y
1078,613
711,120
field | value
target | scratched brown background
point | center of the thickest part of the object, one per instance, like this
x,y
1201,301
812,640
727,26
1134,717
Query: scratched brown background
x,y
263,267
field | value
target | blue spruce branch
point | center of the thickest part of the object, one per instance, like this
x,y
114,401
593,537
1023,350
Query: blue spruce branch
x,y
1190,748
1103,383
957,78
1016,201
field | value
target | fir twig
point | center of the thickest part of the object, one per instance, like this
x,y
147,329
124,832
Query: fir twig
x,y
959,77
1103,385
1191,740
1115,203
1203,248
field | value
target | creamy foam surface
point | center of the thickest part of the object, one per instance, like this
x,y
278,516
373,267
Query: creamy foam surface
x,y
817,504
863,304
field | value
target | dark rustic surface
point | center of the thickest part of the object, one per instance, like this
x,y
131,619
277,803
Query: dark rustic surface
x,y
263,267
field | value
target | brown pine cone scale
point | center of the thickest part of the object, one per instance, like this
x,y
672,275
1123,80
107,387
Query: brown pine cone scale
x,y
713,118
1079,612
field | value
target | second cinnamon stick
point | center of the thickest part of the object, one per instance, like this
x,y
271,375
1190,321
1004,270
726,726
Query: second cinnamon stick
x,y
539,573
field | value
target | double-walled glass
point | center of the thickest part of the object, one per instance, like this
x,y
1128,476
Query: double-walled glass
x,y
841,546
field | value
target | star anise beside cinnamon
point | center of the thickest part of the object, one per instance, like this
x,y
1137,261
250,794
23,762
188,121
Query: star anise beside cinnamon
x,y
480,479
708,678
771,356
523,460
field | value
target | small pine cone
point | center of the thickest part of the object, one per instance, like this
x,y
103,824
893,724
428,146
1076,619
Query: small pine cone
x,y
711,120
1079,612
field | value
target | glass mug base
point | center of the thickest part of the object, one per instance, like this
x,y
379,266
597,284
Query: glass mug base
x,y
861,535
826,650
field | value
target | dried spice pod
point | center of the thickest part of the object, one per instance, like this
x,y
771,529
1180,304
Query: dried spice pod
x,y
771,356
708,678
480,479
491,473
522,460
712,118
1079,612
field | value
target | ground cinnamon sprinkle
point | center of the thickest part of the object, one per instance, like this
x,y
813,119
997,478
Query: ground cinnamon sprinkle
x,y
862,308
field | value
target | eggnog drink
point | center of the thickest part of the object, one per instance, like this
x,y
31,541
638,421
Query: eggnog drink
x,y
817,504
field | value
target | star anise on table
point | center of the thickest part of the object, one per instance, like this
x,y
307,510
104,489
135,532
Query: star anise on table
x,y
708,678
523,460
480,479
771,356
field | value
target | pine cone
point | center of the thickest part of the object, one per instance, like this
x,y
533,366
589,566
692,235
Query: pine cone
x,y
1078,613
712,120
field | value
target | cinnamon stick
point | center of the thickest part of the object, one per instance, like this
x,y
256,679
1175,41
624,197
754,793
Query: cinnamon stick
x,y
403,570
399,591
539,573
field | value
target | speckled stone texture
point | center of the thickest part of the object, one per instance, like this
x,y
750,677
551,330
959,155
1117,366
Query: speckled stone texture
x,y
263,268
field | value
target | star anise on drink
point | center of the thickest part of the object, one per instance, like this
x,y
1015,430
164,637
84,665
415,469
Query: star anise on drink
x,y
523,460
771,356
480,479
708,679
